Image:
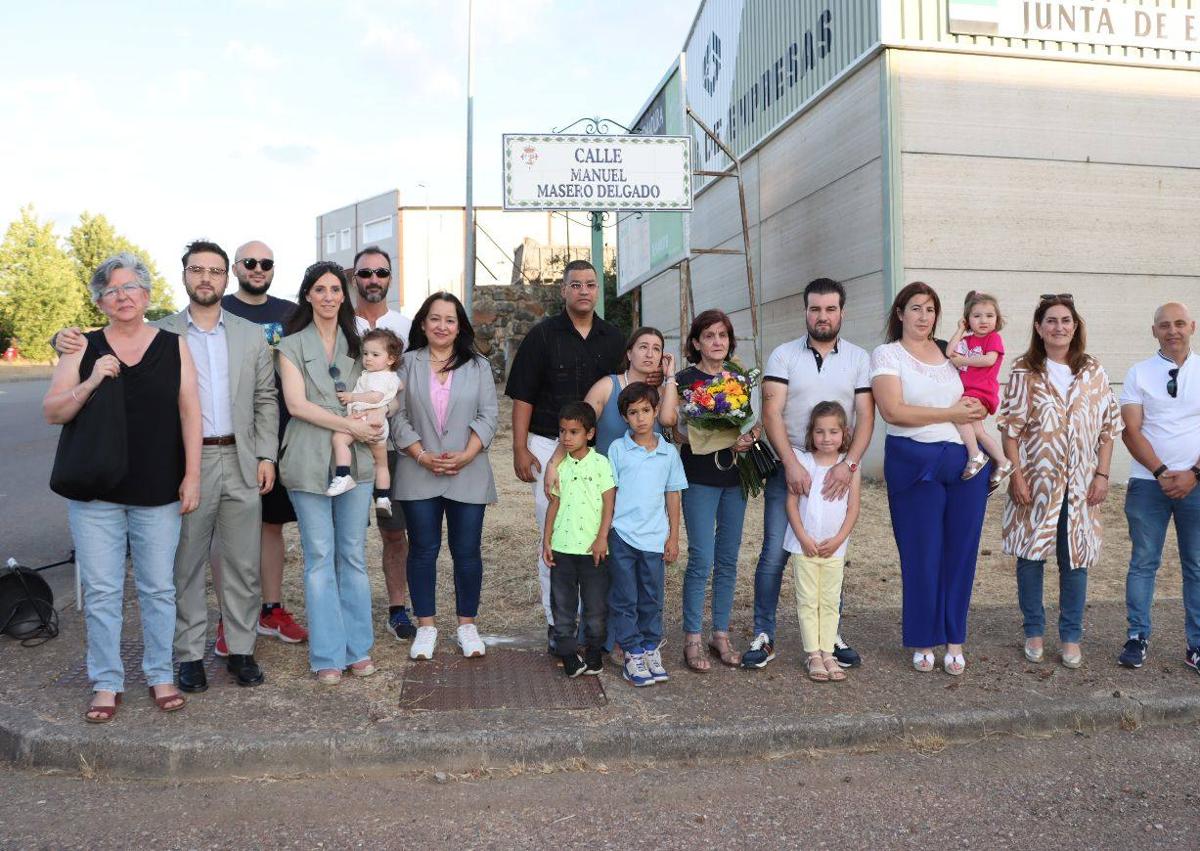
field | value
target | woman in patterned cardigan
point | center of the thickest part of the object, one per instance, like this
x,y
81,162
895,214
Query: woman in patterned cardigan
x,y
1058,421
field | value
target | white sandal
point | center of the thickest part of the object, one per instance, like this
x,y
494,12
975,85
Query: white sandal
x,y
923,662
954,664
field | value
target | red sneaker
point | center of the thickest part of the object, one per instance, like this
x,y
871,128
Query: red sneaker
x,y
282,625
221,648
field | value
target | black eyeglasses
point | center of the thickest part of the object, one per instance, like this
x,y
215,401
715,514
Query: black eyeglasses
x,y
1058,297
336,375
253,263
1172,383
378,273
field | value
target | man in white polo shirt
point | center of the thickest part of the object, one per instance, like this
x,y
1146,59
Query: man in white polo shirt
x,y
1160,404
817,367
372,278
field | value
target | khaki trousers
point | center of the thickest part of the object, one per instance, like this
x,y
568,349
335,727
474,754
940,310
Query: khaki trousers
x,y
228,507
818,584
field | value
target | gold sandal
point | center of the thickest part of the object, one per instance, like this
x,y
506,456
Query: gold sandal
x,y
816,669
719,646
693,655
833,669
975,465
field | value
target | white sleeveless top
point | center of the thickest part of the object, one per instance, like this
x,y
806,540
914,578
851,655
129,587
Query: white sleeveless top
x,y
922,384
820,517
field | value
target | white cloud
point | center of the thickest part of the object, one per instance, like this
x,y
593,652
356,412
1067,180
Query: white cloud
x,y
257,57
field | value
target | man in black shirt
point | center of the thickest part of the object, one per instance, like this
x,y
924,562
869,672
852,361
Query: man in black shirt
x,y
254,267
558,362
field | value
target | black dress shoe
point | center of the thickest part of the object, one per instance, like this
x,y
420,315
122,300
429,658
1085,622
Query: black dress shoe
x,y
192,677
245,670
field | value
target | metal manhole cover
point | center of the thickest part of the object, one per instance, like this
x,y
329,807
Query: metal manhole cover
x,y
503,679
131,658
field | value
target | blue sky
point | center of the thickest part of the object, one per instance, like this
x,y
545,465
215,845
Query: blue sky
x,y
241,119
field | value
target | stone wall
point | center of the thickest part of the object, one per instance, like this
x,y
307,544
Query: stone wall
x,y
503,315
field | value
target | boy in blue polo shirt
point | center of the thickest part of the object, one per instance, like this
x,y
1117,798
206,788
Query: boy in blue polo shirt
x,y
645,530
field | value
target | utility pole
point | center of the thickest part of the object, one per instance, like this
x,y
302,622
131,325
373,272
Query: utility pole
x,y
598,256
469,208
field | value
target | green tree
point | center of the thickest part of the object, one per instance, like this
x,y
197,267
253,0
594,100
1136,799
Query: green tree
x,y
93,241
38,291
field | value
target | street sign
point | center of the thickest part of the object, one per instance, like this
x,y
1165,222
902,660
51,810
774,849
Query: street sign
x,y
594,172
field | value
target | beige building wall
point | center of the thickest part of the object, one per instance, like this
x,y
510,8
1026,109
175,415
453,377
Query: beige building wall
x,y
814,196
1022,176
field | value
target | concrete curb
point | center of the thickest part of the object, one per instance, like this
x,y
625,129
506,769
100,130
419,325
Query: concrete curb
x,y
28,742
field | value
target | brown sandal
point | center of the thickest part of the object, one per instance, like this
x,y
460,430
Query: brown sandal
x,y
816,669
833,669
164,703
718,645
102,714
693,655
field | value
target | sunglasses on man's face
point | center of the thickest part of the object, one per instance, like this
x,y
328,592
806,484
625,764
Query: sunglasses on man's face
x,y
1172,382
253,263
336,375
364,274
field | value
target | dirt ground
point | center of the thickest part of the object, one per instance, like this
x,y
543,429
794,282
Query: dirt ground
x,y
510,587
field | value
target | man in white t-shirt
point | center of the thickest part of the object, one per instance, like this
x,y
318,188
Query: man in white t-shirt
x,y
1160,403
817,367
372,277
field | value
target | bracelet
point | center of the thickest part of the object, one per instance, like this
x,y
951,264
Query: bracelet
x,y
1162,468
76,398
1098,473
422,452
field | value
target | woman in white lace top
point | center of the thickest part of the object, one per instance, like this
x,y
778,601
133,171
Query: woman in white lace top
x,y
936,516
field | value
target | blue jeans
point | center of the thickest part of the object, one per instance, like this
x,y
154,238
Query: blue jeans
x,y
635,597
464,531
772,558
337,593
1072,590
714,528
1149,512
100,531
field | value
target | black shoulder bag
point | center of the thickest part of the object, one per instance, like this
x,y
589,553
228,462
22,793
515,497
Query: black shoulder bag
x,y
92,456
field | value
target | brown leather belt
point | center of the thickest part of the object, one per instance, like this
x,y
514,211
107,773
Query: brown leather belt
x,y
224,440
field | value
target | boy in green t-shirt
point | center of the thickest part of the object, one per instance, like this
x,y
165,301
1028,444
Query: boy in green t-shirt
x,y
576,541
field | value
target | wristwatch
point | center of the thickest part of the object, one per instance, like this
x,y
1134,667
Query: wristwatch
x,y
1161,469
851,465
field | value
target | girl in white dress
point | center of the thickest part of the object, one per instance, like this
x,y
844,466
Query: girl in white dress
x,y
376,387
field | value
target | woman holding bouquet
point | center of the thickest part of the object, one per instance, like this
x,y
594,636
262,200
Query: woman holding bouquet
x,y
714,505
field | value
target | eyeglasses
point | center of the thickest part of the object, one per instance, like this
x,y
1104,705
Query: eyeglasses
x,y
1058,297
1172,383
215,271
575,286
336,375
378,273
129,289
253,263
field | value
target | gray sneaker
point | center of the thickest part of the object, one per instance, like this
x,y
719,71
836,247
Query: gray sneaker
x,y
655,666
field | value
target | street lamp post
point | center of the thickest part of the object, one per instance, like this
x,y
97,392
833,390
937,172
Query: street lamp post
x,y
428,284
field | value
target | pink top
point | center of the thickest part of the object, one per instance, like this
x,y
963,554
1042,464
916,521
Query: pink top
x,y
439,394
982,382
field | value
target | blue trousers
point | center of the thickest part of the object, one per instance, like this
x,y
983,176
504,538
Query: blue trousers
x,y
937,519
772,558
464,530
1149,512
635,597
1072,590
714,528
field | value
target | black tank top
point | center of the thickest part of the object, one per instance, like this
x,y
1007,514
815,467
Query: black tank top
x,y
153,428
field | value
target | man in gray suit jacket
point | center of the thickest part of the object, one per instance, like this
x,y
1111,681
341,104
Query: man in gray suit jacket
x,y
241,438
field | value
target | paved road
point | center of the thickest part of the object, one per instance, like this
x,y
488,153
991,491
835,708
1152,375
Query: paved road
x,y
1108,790
33,521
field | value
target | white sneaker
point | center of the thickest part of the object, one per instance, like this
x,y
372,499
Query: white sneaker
x,y
468,639
383,507
423,644
655,666
338,485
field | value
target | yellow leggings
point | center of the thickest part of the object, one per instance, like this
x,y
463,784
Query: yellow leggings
x,y
818,583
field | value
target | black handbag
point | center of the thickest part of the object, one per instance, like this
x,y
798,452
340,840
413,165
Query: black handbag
x,y
27,610
92,456
763,457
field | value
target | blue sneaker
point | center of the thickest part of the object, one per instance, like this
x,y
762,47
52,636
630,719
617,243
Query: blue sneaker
x,y
635,670
847,656
655,666
1192,660
1134,654
401,626
761,651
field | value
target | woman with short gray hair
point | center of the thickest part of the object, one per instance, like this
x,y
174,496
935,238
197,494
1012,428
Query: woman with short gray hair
x,y
156,384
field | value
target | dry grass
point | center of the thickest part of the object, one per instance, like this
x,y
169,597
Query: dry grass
x,y
510,588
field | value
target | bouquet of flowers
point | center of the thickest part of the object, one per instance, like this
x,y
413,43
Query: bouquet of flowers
x,y
718,412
